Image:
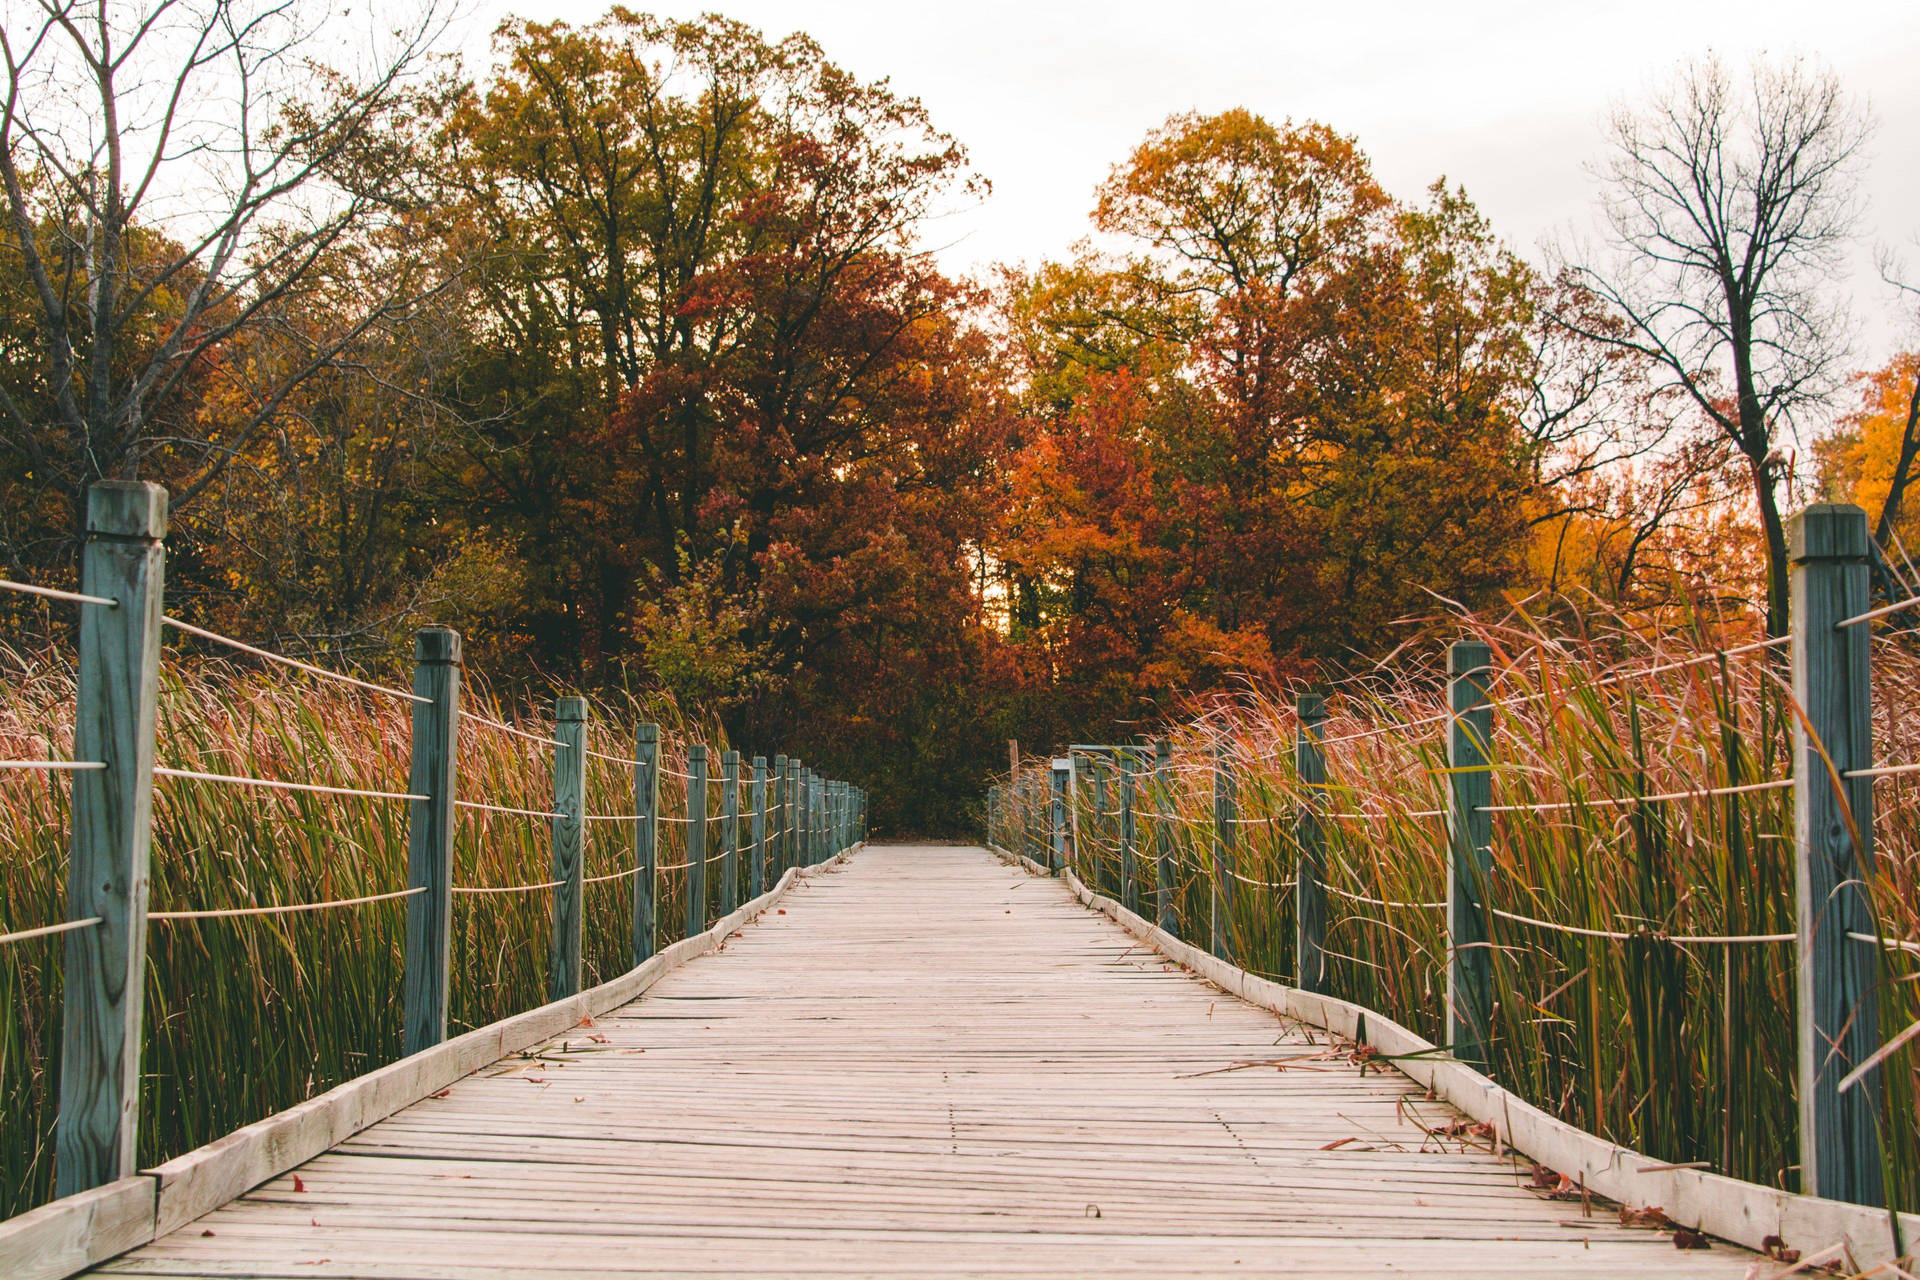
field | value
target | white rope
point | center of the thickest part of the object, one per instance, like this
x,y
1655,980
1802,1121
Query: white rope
x,y
597,755
275,784
618,875
1881,612
500,808
1885,771
163,917
285,661
26,588
1679,939
614,817
672,866
1697,794
47,929
1891,944
1258,884
1382,902
507,728
510,888
76,766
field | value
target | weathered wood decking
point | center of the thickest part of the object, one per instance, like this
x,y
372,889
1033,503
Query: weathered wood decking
x,y
926,1063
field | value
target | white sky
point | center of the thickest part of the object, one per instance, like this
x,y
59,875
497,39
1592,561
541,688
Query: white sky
x,y
1503,96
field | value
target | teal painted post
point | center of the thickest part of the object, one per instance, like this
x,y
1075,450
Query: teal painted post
x,y
111,838
1469,853
790,816
1310,837
729,831
646,839
696,838
569,793
802,816
1059,818
430,824
1163,830
1225,837
1093,857
759,825
1127,758
1836,980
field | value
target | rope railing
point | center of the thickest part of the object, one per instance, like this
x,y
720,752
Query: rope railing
x,y
797,818
285,661
54,593
1179,850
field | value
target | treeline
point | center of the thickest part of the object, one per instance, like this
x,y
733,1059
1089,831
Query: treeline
x,y
626,358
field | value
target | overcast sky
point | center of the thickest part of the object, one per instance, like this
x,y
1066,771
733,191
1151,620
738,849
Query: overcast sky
x,y
1503,96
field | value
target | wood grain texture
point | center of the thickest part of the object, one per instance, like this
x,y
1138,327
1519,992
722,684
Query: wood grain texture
x,y
1838,1024
430,823
112,831
931,1065
1469,851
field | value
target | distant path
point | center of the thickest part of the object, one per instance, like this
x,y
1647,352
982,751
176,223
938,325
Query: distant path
x,y
930,1065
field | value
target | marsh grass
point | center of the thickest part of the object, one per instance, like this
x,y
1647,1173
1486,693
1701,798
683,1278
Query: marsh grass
x,y
246,1016
1682,1051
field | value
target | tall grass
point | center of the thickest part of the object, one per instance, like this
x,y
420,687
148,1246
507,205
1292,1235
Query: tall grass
x,y
246,1016
1683,1051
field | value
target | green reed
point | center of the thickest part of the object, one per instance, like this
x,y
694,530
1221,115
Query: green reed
x,y
1682,1051
246,1016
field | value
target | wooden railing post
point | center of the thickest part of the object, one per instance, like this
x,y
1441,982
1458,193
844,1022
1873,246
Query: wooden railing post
x,y
1163,831
112,827
1839,1022
1469,853
802,816
569,798
781,812
1097,823
696,838
729,831
1129,872
759,876
1310,838
646,840
1225,831
1057,826
430,823
791,819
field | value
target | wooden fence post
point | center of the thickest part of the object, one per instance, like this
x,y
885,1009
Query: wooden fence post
x,y
1096,824
1310,838
430,824
696,838
569,796
791,818
112,829
802,815
1225,831
1469,853
1129,873
781,809
1163,831
759,884
1838,1022
729,831
646,839
1057,826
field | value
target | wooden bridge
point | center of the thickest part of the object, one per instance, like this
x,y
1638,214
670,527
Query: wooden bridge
x,y
891,1061
921,1061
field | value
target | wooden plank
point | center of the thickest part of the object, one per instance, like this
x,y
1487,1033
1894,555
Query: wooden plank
x,y
73,1233
124,561
923,1064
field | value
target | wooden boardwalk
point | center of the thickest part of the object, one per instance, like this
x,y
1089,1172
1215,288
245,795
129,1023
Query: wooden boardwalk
x,y
927,1063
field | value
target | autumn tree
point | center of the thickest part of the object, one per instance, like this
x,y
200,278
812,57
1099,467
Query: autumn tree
x,y
177,175
1727,209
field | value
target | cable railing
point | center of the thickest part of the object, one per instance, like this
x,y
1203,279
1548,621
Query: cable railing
x,y
743,824
1475,873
